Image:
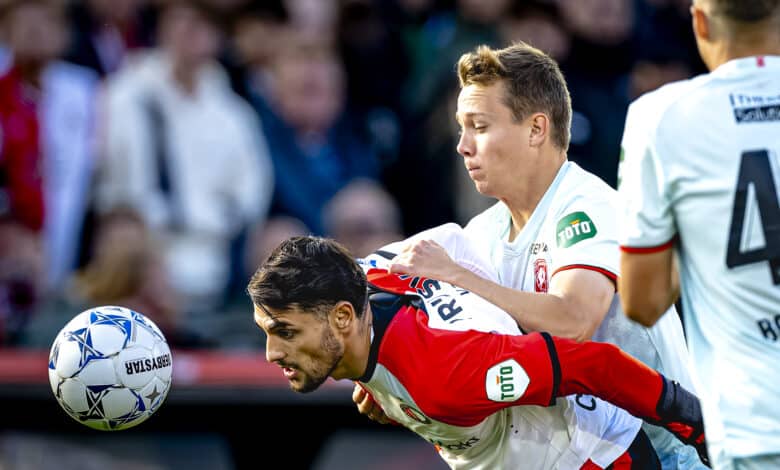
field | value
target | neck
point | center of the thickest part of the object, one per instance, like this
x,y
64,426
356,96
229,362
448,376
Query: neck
x,y
523,201
185,76
745,41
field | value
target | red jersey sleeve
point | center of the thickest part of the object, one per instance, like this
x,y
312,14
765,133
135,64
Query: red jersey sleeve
x,y
461,377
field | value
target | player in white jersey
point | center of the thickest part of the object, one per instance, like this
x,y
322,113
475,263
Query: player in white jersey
x,y
453,368
552,237
700,178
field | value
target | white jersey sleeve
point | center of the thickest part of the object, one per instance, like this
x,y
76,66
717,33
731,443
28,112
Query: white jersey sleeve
x,y
647,221
584,233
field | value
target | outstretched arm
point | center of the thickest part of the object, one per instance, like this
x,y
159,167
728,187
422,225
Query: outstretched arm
x,y
574,306
603,370
534,369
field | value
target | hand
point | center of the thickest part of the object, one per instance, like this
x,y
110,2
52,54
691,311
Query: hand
x,y
367,406
425,258
679,411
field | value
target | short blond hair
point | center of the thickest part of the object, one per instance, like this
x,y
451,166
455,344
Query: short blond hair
x,y
532,79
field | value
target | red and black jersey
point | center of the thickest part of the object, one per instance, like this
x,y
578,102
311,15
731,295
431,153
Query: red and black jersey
x,y
453,368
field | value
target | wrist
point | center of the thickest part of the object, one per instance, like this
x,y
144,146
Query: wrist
x,y
459,277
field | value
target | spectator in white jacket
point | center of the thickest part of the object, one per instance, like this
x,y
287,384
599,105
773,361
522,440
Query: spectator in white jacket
x,y
186,152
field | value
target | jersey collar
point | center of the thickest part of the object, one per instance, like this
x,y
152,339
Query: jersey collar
x,y
748,63
384,306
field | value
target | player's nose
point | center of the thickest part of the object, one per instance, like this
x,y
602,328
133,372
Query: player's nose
x,y
465,144
272,352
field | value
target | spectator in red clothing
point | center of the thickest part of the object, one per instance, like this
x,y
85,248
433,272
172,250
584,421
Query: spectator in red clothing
x,y
34,35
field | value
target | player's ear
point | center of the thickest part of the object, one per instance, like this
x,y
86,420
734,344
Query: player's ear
x,y
701,23
343,315
540,129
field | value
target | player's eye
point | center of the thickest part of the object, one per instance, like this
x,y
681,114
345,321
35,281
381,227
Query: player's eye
x,y
480,127
285,334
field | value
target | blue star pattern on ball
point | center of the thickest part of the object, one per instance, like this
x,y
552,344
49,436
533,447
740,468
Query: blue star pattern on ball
x,y
88,365
55,353
83,337
142,322
96,412
137,412
121,322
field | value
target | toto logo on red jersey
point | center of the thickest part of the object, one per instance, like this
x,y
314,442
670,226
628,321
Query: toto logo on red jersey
x,y
540,275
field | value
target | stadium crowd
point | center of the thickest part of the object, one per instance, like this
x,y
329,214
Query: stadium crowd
x,y
153,152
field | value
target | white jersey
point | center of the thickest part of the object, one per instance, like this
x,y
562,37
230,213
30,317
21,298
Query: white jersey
x,y
486,430
574,227
701,173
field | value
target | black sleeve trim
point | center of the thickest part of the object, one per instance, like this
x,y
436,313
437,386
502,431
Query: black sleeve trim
x,y
385,254
556,366
664,402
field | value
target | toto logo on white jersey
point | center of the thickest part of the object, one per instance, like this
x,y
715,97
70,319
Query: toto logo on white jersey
x,y
506,381
575,228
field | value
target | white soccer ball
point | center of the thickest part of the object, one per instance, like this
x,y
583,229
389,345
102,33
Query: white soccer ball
x,y
110,368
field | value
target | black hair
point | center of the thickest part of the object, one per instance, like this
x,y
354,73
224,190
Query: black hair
x,y
311,273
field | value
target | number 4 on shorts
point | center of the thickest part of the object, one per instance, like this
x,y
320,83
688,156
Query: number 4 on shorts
x,y
755,170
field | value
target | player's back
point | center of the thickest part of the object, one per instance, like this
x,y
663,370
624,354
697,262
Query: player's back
x,y
717,148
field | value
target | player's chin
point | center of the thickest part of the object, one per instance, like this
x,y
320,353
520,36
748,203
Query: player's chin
x,y
296,386
306,384
482,187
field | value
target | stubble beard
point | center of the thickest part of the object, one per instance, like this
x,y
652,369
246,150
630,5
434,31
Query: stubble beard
x,y
333,352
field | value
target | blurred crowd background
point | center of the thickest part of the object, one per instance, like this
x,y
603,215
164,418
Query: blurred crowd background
x,y
153,152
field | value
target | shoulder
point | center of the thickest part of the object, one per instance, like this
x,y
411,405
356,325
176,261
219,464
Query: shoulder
x,y
583,210
582,184
581,190
226,103
71,74
650,110
139,75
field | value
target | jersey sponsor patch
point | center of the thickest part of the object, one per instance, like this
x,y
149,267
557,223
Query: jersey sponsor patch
x,y
506,381
574,228
749,108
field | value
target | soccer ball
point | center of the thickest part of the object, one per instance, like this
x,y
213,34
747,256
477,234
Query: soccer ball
x,y
110,368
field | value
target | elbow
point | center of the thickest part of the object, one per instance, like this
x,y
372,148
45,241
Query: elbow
x,y
580,330
646,314
582,335
644,307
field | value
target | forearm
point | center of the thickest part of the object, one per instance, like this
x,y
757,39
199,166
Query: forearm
x,y
532,311
649,285
604,371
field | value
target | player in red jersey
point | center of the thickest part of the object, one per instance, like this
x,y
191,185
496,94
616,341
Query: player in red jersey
x,y
447,364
